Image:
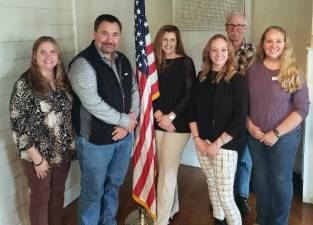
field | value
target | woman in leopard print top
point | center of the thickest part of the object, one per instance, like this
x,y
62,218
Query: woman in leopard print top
x,y
40,115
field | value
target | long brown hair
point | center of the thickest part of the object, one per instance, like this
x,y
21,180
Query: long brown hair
x,y
290,75
39,82
157,45
228,70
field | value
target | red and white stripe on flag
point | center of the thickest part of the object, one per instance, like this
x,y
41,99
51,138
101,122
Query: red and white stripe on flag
x,y
144,157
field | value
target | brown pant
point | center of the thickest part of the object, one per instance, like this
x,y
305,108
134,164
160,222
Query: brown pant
x,y
47,195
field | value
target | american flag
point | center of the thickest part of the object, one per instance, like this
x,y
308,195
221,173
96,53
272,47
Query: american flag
x,y
144,157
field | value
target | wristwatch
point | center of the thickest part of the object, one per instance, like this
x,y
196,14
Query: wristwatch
x,y
172,116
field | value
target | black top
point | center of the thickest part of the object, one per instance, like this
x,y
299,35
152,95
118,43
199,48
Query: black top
x,y
175,84
220,107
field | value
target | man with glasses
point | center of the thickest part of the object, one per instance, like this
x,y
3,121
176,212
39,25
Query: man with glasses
x,y
106,105
236,26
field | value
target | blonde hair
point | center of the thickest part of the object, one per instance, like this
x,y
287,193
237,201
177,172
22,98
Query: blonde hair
x,y
39,82
228,70
157,45
290,75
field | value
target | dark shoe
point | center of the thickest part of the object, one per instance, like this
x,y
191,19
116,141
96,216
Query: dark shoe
x,y
170,219
243,206
220,222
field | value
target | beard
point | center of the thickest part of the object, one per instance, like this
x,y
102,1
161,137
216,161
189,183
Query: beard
x,y
107,48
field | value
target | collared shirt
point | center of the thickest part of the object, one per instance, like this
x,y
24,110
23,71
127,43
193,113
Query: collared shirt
x,y
110,63
244,56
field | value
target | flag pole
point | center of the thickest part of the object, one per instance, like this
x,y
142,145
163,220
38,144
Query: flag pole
x,y
144,155
139,217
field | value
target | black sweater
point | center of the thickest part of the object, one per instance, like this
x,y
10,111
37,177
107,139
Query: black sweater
x,y
175,85
220,107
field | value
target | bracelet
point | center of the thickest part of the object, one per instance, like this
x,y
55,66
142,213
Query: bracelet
x,y
40,162
172,116
276,132
195,137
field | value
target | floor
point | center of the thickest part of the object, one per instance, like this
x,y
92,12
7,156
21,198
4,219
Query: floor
x,y
194,202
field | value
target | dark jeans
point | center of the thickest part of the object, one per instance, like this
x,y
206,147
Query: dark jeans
x,y
47,195
243,173
272,178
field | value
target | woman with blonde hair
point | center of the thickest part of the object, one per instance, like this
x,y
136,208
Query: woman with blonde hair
x,y
176,74
40,114
279,102
218,110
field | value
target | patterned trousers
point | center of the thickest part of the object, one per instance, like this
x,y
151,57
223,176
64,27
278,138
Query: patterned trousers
x,y
220,173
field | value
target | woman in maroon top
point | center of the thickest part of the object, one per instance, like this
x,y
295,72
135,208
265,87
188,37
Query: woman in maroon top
x,y
176,73
279,102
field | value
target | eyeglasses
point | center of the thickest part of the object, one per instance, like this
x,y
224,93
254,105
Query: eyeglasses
x,y
235,26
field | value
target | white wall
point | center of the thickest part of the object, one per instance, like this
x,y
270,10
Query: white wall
x,y
87,11
159,13
294,16
312,28
308,143
21,23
